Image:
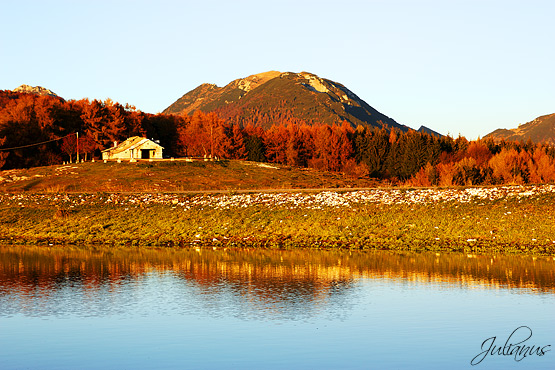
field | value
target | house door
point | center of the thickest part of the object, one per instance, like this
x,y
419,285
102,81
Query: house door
x,y
145,153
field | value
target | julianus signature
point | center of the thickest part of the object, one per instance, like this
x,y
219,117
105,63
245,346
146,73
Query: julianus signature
x,y
517,345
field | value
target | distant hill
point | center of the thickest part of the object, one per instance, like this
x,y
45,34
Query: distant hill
x,y
429,131
39,90
272,97
540,130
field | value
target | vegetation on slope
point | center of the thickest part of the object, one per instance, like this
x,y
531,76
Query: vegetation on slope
x,y
540,130
165,176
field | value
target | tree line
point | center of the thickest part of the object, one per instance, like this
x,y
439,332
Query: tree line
x,y
27,119
410,157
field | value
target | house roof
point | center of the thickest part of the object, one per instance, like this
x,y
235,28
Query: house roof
x,y
130,143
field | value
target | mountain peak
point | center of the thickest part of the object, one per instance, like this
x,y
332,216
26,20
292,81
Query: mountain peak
x,y
270,97
249,83
265,76
39,90
429,131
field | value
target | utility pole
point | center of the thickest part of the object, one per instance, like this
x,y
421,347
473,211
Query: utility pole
x,y
77,133
211,142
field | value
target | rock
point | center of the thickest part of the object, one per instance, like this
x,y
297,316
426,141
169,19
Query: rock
x,y
39,90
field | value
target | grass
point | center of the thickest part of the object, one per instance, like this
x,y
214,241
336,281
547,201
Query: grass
x,y
144,176
509,226
112,203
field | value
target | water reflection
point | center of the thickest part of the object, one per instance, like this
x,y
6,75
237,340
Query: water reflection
x,y
39,281
170,308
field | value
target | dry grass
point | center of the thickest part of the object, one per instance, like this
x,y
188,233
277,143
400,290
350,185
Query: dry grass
x,y
171,176
502,224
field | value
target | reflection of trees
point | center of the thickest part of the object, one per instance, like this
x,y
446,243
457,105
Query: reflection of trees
x,y
280,283
493,272
273,283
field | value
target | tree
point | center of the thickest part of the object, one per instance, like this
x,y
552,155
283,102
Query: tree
x,y
510,166
221,138
479,152
254,146
467,172
254,143
94,117
541,167
238,149
87,146
69,146
84,145
446,173
293,150
169,130
327,144
204,135
22,124
345,134
426,176
3,155
275,143
372,148
194,137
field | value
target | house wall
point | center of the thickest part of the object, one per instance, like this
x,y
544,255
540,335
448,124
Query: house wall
x,y
157,154
136,152
126,154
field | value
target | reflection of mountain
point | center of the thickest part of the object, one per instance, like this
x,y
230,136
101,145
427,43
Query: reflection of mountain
x,y
275,283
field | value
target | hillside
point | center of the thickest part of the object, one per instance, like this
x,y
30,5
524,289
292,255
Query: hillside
x,y
170,176
273,97
540,130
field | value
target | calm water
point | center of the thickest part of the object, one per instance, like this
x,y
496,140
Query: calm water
x,y
157,309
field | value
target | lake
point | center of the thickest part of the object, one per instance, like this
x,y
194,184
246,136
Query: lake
x,y
110,308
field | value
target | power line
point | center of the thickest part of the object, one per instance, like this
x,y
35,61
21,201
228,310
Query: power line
x,y
30,145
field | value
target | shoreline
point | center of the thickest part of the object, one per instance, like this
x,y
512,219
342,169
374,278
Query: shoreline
x,y
477,220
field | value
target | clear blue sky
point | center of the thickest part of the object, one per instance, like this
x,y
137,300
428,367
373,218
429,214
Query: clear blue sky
x,y
458,67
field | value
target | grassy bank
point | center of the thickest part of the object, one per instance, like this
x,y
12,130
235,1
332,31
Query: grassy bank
x,y
512,220
171,176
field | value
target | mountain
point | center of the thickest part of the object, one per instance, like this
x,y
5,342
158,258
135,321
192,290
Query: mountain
x,y
274,96
540,130
39,90
429,131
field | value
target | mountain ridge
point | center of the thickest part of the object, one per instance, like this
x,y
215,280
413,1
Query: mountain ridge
x,y
539,130
278,95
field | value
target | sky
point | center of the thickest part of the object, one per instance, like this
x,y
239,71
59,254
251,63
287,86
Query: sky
x,y
458,67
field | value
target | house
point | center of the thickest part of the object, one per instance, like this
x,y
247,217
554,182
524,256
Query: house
x,y
134,148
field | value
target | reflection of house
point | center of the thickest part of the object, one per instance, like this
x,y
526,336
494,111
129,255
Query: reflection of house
x,y
134,148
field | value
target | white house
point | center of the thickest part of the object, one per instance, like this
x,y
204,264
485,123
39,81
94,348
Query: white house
x,y
134,148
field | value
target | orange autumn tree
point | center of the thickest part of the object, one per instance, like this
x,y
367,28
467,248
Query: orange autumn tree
x,y
541,167
275,142
294,153
237,147
479,151
510,166
205,135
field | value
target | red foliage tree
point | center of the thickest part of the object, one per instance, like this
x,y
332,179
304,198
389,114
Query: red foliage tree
x,y
69,146
238,148
275,140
